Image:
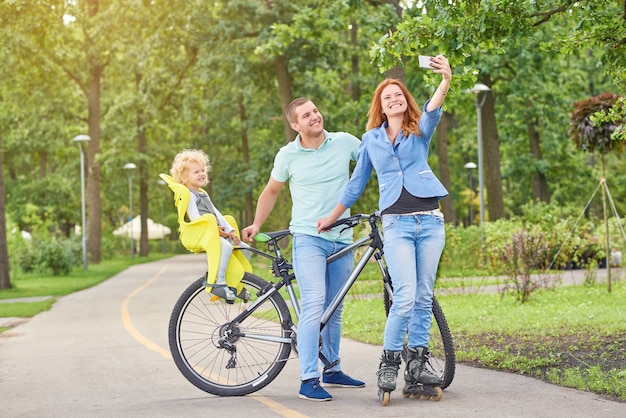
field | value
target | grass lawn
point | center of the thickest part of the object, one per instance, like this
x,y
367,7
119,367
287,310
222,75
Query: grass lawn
x,y
572,336
26,285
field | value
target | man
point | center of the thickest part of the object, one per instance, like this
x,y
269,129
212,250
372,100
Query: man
x,y
317,166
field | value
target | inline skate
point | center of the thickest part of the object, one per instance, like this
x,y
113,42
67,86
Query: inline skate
x,y
420,382
387,374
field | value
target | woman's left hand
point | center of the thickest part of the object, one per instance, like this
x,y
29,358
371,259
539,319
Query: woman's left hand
x,y
441,66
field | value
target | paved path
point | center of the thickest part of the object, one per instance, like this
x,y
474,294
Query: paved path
x,y
103,352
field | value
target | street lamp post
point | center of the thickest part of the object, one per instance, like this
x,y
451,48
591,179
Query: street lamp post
x,y
79,139
480,94
130,167
471,166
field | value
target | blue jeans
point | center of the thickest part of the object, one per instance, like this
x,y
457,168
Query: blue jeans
x,y
318,283
413,247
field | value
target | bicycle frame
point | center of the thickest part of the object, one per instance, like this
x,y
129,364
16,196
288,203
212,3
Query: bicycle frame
x,y
239,348
282,270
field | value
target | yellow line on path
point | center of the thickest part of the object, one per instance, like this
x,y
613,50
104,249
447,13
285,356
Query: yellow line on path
x,y
128,323
274,406
278,407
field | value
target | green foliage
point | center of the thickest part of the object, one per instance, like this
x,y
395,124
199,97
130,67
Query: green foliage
x,y
593,137
523,254
542,240
614,117
461,254
50,255
217,90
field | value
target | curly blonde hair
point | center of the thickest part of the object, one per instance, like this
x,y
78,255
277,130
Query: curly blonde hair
x,y
182,160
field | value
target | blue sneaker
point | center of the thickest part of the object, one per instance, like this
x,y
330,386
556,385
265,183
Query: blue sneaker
x,y
310,389
340,379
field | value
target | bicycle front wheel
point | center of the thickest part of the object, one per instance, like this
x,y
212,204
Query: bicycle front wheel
x,y
442,360
229,358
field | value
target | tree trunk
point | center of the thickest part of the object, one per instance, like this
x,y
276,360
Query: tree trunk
x,y
94,207
284,93
143,189
355,88
444,168
142,172
248,216
491,159
541,192
5,279
397,72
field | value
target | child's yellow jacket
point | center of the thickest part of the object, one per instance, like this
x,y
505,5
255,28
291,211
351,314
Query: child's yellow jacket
x,y
202,235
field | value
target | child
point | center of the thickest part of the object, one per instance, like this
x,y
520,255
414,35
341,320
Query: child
x,y
190,167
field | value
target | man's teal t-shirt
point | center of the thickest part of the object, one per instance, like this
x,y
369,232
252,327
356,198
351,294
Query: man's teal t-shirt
x,y
316,179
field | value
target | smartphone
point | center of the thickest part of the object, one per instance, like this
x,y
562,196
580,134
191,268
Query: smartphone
x,y
424,61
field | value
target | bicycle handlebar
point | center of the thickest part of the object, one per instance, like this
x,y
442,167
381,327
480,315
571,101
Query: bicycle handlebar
x,y
354,220
350,222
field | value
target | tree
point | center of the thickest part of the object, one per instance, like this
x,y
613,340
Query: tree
x,y
165,31
482,35
76,38
597,137
5,278
155,99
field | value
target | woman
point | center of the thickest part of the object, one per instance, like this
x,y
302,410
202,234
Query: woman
x,y
396,145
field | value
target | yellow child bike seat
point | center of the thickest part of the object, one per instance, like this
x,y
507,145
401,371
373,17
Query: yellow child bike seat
x,y
202,235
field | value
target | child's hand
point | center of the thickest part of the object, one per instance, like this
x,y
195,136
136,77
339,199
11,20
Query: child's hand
x,y
232,235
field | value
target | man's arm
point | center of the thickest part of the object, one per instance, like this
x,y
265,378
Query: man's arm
x,y
264,207
323,223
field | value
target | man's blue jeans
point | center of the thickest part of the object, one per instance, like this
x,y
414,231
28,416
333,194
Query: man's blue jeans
x,y
413,247
318,283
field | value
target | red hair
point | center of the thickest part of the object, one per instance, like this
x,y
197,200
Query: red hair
x,y
413,113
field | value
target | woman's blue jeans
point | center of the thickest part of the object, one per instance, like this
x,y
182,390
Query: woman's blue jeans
x,y
318,283
413,245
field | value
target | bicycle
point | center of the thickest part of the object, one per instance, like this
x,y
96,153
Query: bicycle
x,y
239,348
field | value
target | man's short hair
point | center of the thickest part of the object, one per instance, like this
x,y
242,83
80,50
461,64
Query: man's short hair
x,y
290,113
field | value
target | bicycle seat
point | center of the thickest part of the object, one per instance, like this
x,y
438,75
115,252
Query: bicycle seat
x,y
271,236
202,235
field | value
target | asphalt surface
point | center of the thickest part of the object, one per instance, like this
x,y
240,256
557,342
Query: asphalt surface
x,y
103,352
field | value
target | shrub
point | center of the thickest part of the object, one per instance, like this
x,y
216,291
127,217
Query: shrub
x,y
544,237
522,255
461,254
49,254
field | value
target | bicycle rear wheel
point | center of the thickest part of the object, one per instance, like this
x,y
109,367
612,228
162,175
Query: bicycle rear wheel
x,y
226,358
442,353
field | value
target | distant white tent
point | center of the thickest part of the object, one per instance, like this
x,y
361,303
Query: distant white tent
x,y
155,230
